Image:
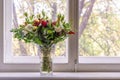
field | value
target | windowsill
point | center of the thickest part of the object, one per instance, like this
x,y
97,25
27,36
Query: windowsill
x,y
60,75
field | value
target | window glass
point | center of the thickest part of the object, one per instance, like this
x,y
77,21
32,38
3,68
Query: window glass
x,y
99,28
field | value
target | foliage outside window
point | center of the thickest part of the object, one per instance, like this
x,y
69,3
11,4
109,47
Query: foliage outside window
x,y
99,33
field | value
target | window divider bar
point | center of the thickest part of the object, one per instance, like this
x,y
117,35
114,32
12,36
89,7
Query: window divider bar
x,y
73,40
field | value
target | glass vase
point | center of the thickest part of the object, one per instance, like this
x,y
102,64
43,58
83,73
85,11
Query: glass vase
x,y
46,60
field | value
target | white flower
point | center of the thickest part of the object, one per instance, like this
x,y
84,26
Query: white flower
x,y
61,25
25,32
40,24
29,27
58,29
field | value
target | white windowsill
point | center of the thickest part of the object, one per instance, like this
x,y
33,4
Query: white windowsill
x,y
60,75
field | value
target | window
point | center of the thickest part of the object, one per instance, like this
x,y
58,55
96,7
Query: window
x,y
15,52
94,47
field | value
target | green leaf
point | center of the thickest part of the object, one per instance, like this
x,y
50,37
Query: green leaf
x,y
37,40
26,14
38,16
62,17
43,13
31,17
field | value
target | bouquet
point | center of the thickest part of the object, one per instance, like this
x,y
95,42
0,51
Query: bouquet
x,y
41,30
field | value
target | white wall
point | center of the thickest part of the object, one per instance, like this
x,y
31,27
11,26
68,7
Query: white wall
x,y
1,33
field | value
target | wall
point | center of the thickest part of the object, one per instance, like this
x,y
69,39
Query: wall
x,y
1,33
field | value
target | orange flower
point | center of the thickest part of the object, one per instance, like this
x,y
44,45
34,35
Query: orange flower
x,y
36,23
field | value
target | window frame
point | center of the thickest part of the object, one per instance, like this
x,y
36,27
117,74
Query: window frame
x,y
95,59
74,63
94,63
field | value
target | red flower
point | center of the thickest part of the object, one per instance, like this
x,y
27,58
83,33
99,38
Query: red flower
x,y
36,23
71,32
44,23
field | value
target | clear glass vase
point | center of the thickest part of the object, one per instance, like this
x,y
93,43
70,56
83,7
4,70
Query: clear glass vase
x,y
46,60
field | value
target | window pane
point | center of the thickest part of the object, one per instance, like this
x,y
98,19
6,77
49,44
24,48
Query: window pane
x,y
51,7
99,32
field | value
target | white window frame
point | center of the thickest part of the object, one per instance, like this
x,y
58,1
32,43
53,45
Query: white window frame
x,y
94,63
94,59
74,62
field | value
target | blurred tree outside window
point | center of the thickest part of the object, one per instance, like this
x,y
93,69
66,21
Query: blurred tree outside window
x,y
99,28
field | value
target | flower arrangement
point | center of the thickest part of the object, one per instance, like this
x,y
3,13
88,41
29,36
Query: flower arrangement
x,y
43,31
